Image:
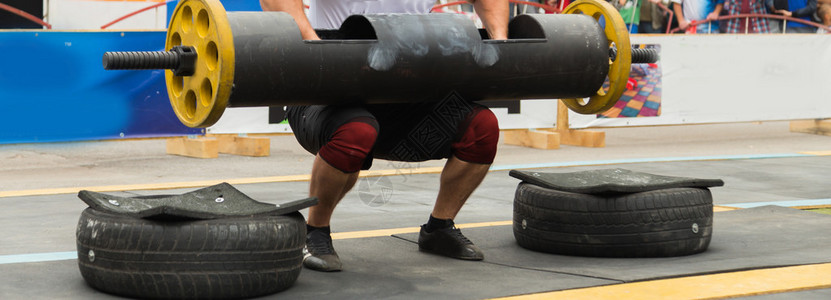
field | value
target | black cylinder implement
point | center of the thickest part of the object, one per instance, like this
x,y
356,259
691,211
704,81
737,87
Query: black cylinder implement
x,y
414,58
402,58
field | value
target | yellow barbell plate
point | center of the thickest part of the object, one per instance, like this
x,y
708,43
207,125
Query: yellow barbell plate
x,y
617,33
200,99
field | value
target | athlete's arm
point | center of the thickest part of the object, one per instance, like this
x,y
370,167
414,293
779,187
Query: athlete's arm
x,y
295,9
494,15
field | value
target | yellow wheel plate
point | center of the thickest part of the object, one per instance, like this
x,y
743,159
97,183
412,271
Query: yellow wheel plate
x,y
617,33
200,99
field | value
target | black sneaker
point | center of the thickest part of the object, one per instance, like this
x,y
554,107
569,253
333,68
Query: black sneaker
x,y
319,254
448,242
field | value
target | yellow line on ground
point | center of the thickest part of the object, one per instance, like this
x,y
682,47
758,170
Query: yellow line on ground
x,y
393,231
372,233
818,153
410,171
203,183
253,180
812,206
484,224
715,286
152,186
718,208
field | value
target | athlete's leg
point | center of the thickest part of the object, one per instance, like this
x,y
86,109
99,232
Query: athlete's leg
x,y
462,174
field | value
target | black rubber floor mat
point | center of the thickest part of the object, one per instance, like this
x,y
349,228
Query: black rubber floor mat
x,y
610,181
745,239
213,202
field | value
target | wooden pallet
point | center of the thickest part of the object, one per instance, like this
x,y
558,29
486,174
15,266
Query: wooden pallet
x,y
817,126
211,146
551,138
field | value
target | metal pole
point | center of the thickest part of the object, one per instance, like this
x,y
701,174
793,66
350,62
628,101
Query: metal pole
x,y
632,19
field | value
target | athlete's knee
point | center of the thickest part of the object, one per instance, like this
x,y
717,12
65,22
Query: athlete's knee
x,y
350,145
479,140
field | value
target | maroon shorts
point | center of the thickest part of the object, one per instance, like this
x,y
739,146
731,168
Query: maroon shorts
x,y
409,132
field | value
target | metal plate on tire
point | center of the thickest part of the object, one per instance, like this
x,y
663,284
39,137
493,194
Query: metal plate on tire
x,y
213,202
610,181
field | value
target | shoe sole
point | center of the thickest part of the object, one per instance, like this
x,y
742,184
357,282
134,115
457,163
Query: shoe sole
x,y
450,256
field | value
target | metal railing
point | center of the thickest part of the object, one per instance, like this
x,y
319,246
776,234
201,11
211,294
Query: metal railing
x,y
747,18
135,13
26,15
668,12
547,8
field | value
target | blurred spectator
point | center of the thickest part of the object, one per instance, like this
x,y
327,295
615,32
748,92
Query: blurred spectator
x,y
803,9
824,14
704,12
519,9
754,25
630,11
559,4
653,18
772,6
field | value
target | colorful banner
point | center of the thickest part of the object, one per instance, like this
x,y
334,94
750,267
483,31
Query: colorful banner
x,y
642,97
723,78
53,88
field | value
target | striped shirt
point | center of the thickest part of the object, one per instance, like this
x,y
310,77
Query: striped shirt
x,y
329,14
756,25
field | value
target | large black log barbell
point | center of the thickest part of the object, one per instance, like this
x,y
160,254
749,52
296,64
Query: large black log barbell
x,y
217,59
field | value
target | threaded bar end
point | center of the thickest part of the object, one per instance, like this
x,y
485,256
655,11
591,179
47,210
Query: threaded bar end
x,y
644,56
140,60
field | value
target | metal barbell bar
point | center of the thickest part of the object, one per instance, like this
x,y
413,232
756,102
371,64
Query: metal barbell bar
x,y
241,59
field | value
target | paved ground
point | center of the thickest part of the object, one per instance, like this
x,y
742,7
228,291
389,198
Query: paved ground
x,y
761,163
43,166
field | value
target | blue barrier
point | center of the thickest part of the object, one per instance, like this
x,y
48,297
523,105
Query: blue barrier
x,y
54,88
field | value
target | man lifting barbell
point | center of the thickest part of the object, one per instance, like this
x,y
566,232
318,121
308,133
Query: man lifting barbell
x,y
345,139
395,86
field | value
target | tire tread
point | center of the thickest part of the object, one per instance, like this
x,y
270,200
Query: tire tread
x,y
197,259
645,224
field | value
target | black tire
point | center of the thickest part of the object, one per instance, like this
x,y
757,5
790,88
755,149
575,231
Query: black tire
x,y
190,259
667,222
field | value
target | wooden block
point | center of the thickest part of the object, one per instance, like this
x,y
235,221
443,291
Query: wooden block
x,y
196,147
244,145
583,138
822,127
539,139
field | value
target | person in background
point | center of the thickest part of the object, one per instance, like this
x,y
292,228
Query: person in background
x,y
630,11
559,4
653,18
802,9
742,25
824,14
704,12
519,9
